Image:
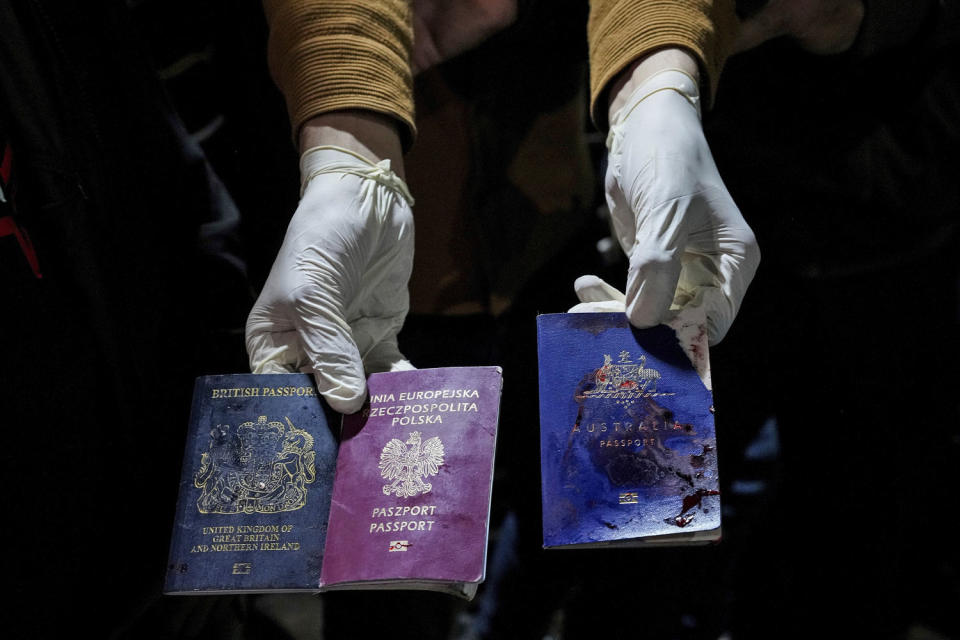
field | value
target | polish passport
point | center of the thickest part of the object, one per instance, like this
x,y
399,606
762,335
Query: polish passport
x,y
271,500
627,440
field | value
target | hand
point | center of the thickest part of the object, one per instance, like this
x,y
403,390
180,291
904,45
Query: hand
x,y
336,296
819,26
445,28
686,241
689,323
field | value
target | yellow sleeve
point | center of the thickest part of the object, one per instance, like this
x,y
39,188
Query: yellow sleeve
x,y
329,55
621,31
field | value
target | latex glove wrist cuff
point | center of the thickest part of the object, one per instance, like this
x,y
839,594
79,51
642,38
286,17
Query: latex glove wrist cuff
x,y
324,159
666,80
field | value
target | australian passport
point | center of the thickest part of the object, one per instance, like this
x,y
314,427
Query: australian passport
x,y
410,480
628,447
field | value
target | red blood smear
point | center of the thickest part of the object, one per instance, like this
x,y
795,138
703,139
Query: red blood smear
x,y
691,501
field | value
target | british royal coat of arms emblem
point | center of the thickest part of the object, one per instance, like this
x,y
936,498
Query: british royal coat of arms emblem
x,y
260,467
406,467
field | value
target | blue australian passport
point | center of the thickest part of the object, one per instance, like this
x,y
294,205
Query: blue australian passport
x,y
628,448
255,488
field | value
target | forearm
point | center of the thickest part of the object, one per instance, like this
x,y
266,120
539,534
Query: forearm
x,y
641,71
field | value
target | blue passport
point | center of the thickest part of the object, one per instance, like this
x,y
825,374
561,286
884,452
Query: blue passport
x,y
255,488
627,440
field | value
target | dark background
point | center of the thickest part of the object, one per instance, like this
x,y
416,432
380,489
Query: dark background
x,y
837,416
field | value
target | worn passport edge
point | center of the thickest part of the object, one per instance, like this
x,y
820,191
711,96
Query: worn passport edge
x,y
493,467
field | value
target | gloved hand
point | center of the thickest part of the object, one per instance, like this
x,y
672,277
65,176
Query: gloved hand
x,y
689,323
336,296
686,241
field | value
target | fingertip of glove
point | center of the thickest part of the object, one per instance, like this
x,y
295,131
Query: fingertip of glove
x,y
590,288
586,281
715,333
266,357
642,317
385,356
402,365
342,398
345,407
582,307
609,306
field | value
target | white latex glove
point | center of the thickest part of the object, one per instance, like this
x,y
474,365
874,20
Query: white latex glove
x,y
689,323
685,238
336,296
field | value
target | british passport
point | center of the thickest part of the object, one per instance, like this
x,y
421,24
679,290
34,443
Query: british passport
x,y
255,487
628,447
270,502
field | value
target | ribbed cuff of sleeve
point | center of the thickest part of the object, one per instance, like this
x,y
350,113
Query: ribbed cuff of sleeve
x,y
622,31
330,55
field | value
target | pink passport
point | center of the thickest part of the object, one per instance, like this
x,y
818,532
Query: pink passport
x,y
411,500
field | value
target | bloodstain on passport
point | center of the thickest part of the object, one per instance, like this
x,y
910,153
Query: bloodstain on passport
x,y
690,502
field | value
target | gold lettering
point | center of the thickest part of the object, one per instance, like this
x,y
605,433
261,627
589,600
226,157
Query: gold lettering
x,y
233,547
303,392
258,528
237,392
211,530
276,546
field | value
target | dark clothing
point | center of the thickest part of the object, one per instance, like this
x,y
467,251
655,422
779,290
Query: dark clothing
x,y
97,356
845,167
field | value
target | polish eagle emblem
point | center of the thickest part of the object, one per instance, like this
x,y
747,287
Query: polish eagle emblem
x,y
406,467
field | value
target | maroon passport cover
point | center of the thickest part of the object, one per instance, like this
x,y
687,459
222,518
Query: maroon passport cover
x,y
411,501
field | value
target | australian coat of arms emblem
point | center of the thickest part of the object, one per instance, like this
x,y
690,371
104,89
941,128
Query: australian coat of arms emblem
x,y
624,378
406,467
261,467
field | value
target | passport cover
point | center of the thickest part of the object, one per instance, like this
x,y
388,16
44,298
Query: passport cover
x,y
255,487
411,504
628,449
